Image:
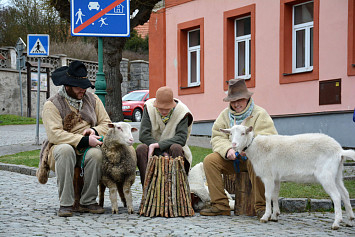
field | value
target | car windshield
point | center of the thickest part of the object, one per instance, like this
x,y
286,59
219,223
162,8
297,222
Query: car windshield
x,y
134,96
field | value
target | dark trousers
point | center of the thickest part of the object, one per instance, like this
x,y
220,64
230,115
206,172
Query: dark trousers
x,y
174,151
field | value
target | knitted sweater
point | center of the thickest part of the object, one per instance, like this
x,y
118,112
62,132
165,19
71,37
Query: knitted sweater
x,y
261,122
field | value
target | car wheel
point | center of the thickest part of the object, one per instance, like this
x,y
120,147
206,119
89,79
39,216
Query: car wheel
x,y
137,115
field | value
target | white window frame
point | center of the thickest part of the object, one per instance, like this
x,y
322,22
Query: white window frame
x,y
247,40
307,28
190,50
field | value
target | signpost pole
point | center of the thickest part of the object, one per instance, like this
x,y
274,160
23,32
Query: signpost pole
x,y
100,84
38,100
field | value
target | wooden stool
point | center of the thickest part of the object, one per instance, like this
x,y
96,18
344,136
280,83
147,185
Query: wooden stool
x,y
244,200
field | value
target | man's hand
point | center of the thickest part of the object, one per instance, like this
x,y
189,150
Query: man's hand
x,y
231,154
151,148
88,132
94,140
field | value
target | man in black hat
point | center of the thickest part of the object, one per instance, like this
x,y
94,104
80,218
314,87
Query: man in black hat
x,y
240,106
75,120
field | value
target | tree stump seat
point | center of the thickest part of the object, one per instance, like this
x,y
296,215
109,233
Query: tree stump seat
x,y
240,185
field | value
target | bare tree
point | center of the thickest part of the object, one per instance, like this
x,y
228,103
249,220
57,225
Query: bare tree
x,y
112,55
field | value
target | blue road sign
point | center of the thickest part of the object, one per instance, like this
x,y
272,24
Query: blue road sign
x,y
37,45
100,18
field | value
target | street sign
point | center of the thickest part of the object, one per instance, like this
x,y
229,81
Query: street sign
x,y
38,45
20,46
110,18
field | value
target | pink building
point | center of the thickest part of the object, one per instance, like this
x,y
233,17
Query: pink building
x,y
297,56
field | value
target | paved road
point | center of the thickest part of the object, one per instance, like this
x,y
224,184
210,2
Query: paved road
x,y
28,208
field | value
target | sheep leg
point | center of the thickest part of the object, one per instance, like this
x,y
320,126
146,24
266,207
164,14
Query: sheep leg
x,y
344,196
128,195
113,198
275,201
120,192
330,187
102,188
269,189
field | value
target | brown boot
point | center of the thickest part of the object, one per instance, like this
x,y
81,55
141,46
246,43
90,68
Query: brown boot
x,y
214,211
92,208
65,211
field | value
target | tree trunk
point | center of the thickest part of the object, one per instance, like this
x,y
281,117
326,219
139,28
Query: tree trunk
x,y
112,59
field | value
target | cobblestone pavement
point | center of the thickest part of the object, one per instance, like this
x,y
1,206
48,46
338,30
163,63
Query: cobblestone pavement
x,y
28,208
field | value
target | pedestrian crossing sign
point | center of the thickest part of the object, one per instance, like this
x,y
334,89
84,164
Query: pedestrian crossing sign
x,y
38,45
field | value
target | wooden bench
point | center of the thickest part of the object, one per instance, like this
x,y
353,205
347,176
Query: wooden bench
x,y
240,185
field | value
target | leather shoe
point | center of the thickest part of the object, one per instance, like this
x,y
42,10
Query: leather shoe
x,y
214,211
65,211
92,208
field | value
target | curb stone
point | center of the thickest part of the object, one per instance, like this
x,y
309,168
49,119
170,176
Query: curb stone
x,y
286,204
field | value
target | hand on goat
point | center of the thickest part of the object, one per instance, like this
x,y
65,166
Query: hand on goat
x,y
94,141
231,154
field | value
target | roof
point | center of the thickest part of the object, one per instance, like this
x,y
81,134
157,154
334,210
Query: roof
x,y
143,30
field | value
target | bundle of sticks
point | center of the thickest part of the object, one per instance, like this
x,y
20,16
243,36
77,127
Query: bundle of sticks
x,y
166,190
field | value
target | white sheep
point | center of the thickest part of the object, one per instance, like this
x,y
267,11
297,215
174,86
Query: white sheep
x,y
198,186
118,165
300,158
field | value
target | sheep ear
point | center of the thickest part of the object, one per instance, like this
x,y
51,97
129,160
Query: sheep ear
x,y
134,129
225,130
249,129
111,125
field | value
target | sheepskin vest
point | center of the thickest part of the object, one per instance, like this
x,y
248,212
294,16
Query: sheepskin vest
x,y
162,131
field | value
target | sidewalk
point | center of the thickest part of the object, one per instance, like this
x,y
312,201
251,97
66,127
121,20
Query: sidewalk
x,y
33,210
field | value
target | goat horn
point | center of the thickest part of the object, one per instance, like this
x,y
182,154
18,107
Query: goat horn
x,y
245,120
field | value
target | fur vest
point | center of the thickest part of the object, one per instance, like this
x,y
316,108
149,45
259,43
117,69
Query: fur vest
x,y
69,119
162,131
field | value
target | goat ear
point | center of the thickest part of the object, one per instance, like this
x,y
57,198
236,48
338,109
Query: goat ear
x,y
249,129
225,130
111,125
134,129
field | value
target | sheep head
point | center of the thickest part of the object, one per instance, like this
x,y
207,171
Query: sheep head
x,y
240,136
120,132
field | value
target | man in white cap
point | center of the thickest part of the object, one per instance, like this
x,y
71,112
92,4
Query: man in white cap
x,y
74,120
240,107
165,127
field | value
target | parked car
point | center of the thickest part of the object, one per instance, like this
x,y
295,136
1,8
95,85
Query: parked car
x,y
132,104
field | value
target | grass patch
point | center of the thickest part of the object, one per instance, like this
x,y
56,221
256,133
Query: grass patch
x,y
288,189
28,158
9,119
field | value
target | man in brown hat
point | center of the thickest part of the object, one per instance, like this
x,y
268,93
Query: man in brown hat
x,y
240,107
74,120
165,127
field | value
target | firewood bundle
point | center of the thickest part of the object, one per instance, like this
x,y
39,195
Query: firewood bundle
x,y
166,190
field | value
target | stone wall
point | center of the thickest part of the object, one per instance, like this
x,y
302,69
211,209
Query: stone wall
x,y
135,76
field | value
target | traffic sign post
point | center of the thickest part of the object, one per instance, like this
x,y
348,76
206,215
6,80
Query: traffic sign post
x,y
38,46
110,18
20,63
101,19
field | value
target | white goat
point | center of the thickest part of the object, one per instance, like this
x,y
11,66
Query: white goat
x,y
118,165
299,158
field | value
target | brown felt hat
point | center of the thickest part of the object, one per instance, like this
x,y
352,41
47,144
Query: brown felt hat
x,y
237,89
164,98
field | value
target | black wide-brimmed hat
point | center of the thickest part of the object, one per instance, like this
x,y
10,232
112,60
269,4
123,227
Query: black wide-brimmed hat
x,y
74,75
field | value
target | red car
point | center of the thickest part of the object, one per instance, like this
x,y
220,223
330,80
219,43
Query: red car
x,y
132,104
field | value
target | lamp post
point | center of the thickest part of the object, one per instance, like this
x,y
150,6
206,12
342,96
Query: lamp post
x,y
100,83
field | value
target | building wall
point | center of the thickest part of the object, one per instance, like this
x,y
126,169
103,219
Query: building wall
x,y
277,99
294,106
